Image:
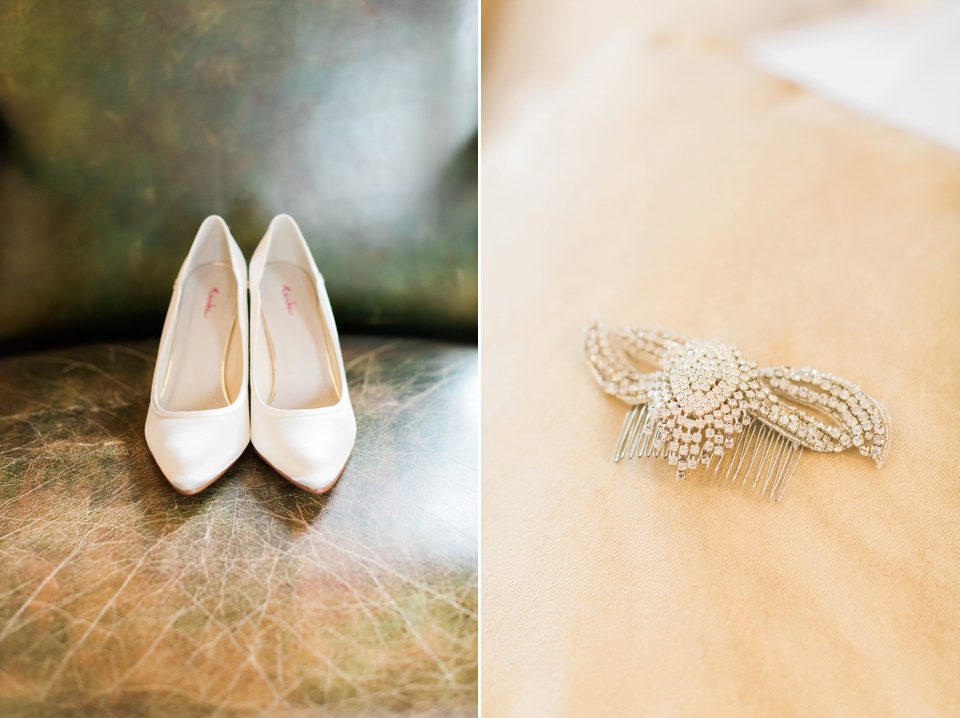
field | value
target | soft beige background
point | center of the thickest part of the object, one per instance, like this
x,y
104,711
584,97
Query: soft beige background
x,y
636,166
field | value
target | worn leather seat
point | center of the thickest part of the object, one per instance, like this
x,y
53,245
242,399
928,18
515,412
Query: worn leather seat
x,y
121,595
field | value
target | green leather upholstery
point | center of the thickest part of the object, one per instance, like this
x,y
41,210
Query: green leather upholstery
x,y
120,597
125,124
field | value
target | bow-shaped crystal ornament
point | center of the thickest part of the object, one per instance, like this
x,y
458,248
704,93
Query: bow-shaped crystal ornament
x,y
695,402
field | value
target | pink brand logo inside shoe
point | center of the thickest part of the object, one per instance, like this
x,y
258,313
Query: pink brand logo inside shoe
x,y
286,298
210,304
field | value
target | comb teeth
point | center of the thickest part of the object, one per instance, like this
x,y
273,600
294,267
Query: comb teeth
x,y
762,457
635,437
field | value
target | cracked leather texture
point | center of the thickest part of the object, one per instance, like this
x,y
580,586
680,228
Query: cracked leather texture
x,y
123,125
120,597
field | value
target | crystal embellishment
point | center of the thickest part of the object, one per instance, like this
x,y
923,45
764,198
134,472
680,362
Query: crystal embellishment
x,y
702,402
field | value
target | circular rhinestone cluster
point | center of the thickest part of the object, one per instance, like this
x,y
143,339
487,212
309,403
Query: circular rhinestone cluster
x,y
699,402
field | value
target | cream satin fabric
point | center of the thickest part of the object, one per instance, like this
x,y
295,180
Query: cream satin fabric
x,y
658,177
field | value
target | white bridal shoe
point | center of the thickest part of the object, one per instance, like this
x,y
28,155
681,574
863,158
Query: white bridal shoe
x,y
302,421
198,423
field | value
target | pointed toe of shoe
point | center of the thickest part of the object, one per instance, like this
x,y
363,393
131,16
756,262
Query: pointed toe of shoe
x,y
316,476
191,465
311,452
190,482
191,459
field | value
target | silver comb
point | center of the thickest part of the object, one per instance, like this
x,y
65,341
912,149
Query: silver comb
x,y
694,402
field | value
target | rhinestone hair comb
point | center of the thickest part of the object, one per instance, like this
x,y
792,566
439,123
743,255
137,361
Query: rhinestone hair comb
x,y
702,402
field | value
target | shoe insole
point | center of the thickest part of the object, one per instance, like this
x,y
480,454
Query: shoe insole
x,y
303,368
206,361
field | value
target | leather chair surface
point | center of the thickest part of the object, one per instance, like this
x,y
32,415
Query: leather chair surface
x,y
122,125
252,598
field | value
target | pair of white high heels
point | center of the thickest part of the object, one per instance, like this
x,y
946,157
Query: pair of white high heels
x,y
278,381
